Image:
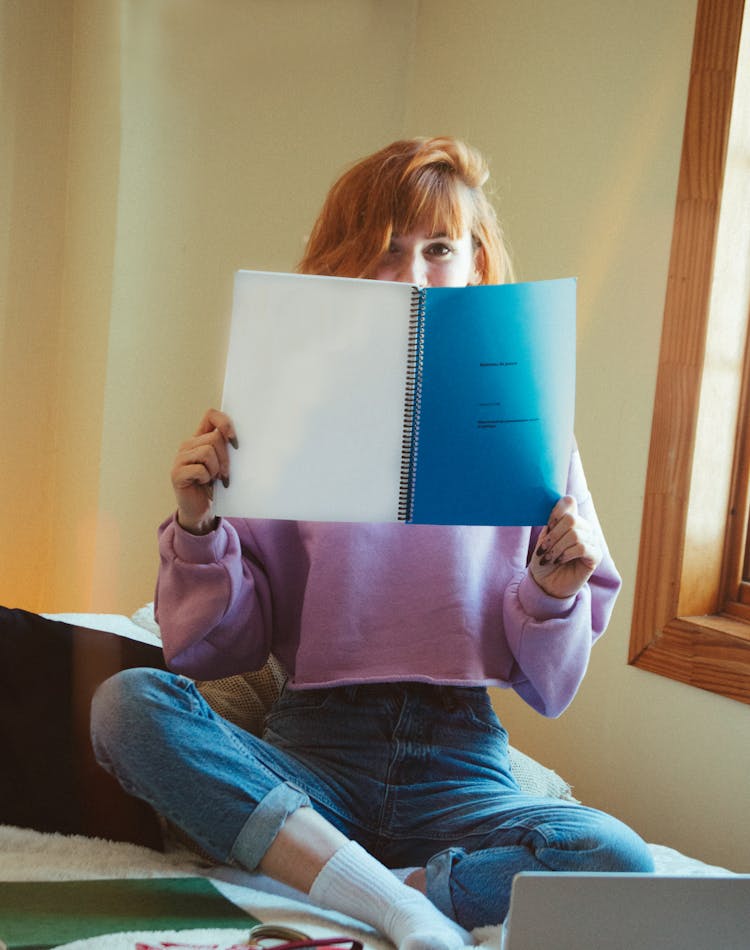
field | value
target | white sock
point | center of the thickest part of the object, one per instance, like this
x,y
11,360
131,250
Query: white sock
x,y
354,883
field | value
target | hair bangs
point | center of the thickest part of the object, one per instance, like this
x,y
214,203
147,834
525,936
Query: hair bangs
x,y
433,200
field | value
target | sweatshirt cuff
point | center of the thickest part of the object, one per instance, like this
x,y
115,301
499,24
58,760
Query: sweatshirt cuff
x,y
199,548
540,605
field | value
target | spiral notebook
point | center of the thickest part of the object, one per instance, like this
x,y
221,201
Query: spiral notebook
x,y
362,400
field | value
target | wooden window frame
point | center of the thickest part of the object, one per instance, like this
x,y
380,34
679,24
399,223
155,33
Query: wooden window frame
x,y
689,621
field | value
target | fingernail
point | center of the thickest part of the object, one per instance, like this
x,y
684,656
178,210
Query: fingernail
x,y
225,481
540,550
544,561
233,442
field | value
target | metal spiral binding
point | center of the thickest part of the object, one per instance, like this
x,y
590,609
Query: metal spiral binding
x,y
412,405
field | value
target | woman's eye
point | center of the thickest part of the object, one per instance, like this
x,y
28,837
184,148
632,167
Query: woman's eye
x,y
439,250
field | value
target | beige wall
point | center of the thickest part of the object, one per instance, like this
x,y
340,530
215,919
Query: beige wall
x,y
160,144
34,113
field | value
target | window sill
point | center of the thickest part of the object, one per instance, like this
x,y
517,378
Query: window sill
x,y
710,652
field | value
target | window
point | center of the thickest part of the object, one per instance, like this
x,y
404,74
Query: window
x,y
691,617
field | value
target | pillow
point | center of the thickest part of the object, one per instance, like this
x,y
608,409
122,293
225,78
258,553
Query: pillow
x,y
245,699
144,617
534,779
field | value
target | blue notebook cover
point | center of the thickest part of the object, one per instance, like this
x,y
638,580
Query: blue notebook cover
x,y
495,402
362,400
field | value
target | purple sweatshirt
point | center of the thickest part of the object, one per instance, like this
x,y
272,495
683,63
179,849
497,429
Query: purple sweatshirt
x,y
339,604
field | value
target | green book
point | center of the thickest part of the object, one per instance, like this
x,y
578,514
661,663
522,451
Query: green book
x,y
36,915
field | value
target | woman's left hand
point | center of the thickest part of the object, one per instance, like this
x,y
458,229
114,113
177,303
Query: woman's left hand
x,y
567,551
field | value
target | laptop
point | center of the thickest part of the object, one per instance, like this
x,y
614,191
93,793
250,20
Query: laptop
x,y
587,911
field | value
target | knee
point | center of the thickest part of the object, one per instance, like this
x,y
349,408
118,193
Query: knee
x,y
121,708
120,697
632,855
618,848
585,839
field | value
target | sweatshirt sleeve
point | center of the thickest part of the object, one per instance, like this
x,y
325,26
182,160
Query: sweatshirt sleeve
x,y
551,638
211,602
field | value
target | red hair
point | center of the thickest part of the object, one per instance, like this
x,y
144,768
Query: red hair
x,y
434,183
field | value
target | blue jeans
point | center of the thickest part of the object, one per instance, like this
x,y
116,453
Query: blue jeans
x,y
417,774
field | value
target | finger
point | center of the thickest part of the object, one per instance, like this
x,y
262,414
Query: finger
x,y
188,476
550,540
561,518
588,554
217,442
567,505
196,446
579,541
215,419
567,533
196,464
546,538
542,542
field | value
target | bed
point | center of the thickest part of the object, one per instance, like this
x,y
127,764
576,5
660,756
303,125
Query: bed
x,y
106,834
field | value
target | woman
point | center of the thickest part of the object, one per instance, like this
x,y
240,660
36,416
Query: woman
x,y
383,751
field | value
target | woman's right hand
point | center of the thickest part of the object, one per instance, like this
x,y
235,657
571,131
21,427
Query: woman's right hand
x,y
199,461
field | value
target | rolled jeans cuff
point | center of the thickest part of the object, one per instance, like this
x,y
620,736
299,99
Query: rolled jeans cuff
x,y
438,870
266,821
